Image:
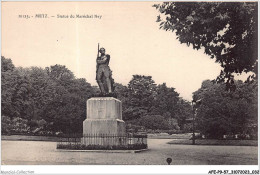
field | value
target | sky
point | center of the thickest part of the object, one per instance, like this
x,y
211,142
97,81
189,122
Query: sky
x,y
127,30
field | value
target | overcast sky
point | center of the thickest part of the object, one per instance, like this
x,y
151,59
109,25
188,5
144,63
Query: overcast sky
x,y
128,31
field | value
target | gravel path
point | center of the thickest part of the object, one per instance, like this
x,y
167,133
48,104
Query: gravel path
x,y
45,153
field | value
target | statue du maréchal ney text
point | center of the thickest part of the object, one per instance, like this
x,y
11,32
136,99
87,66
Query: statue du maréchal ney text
x,y
104,74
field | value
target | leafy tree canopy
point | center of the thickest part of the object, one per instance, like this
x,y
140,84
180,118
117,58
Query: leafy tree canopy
x,y
227,31
226,112
45,101
7,64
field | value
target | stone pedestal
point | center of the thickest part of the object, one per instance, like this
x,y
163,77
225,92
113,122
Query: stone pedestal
x,y
104,126
104,108
104,118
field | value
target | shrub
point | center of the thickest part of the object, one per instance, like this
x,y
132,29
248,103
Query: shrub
x,y
6,125
154,122
80,146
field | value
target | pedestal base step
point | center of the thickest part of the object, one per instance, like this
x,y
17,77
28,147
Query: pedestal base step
x,y
104,126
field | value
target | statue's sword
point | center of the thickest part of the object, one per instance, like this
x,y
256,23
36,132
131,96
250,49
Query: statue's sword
x,y
97,56
98,51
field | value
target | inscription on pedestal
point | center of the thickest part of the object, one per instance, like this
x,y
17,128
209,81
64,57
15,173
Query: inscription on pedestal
x,y
100,111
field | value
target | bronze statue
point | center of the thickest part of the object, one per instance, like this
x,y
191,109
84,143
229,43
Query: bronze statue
x,y
104,74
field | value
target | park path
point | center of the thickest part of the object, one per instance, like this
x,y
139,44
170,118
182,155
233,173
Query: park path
x,y
45,153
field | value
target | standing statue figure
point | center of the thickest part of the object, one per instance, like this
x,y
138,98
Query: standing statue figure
x,y
104,74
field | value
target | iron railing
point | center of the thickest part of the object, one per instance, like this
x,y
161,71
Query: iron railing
x,y
102,141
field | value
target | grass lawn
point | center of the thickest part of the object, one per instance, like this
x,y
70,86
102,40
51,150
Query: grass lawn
x,y
29,138
215,142
167,136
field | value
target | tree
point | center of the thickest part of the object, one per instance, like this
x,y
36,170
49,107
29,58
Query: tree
x,y
8,85
60,73
165,101
6,124
33,96
183,112
154,122
9,79
67,110
227,31
226,112
40,90
6,64
144,102
122,92
141,93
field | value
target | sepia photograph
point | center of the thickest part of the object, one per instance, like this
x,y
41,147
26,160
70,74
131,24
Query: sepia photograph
x,y
130,83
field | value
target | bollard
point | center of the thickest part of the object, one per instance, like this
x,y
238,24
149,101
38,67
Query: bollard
x,y
169,161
